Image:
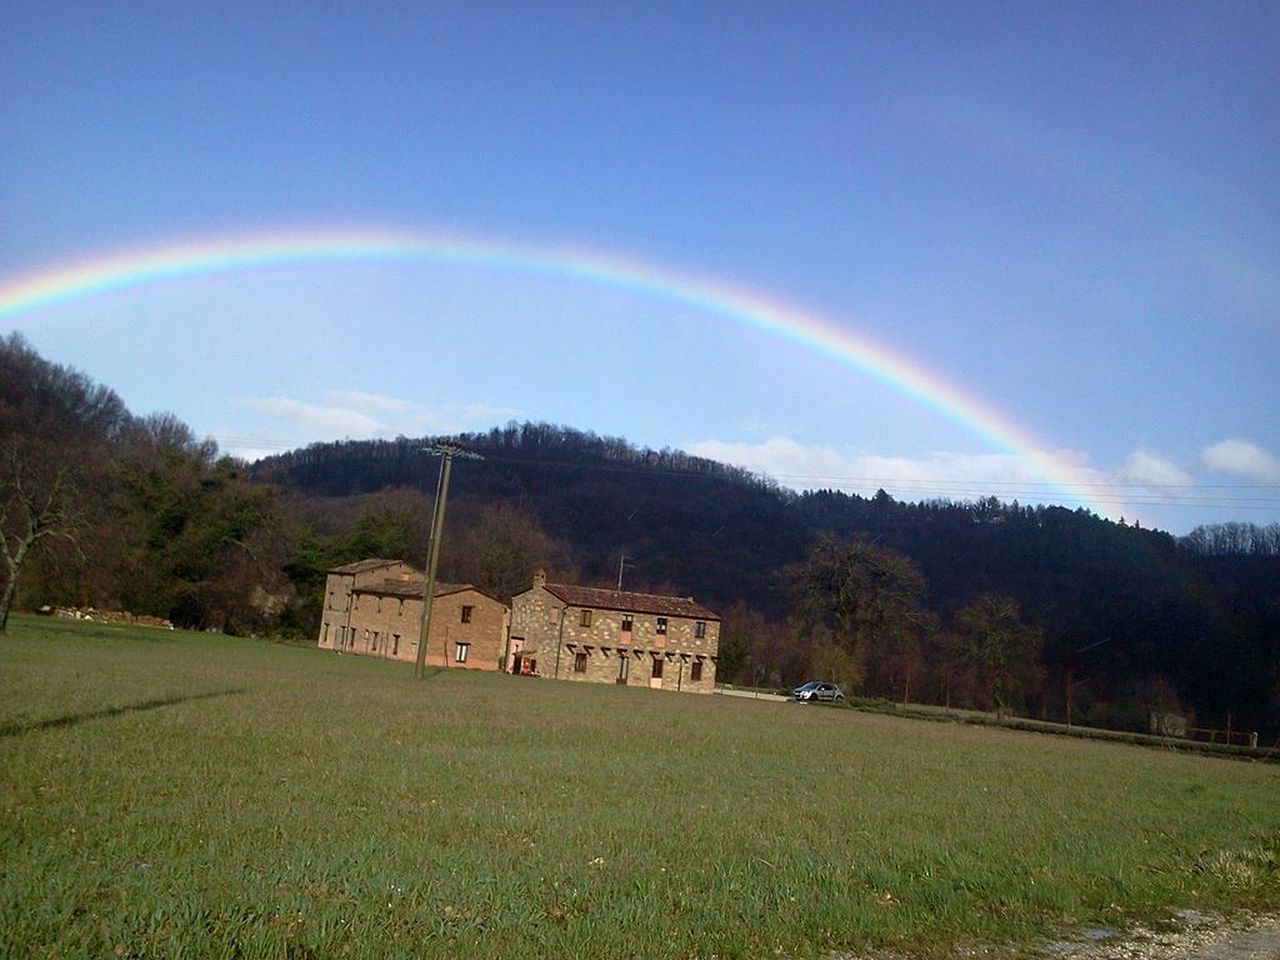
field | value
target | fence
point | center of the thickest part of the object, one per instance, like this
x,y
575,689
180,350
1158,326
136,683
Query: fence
x,y
1227,736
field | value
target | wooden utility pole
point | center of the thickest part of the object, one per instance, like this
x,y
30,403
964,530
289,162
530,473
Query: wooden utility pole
x,y
447,451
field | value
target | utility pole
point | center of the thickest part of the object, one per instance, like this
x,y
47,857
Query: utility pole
x,y
446,451
622,562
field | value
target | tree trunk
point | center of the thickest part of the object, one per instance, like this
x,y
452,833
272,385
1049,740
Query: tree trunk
x,y
14,563
6,598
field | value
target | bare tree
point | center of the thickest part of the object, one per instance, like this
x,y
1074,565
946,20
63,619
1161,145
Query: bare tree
x,y
500,549
39,503
760,652
55,425
1002,652
864,599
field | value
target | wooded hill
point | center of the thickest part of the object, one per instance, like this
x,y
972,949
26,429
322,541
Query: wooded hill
x,y
136,513
1134,617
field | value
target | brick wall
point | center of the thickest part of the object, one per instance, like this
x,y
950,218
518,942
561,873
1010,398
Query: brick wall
x,y
387,625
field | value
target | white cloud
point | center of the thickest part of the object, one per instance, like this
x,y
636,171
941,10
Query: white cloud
x,y
956,476
1241,458
245,448
349,414
368,402
1145,467
319,421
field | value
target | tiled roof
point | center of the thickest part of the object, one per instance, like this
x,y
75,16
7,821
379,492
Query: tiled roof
x,y
363,566
602,598
413,587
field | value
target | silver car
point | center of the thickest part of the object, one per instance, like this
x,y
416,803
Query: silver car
x,y
817,690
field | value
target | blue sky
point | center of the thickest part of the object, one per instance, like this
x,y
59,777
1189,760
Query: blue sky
x,y
1066,211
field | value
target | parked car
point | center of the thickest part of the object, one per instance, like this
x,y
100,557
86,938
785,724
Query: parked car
x,y
817,690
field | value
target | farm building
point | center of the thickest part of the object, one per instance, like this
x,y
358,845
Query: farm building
x,y
374,608
599,635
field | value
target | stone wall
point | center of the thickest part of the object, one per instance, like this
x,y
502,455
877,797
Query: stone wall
x,y
106,616
592,645
535,629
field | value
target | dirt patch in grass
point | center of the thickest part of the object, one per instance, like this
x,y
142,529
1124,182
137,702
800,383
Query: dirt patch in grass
x,y
1190,935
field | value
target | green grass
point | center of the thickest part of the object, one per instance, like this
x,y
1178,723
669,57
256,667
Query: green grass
x,y
182,795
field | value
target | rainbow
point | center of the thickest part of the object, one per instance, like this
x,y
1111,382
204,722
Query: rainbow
x,y
178,261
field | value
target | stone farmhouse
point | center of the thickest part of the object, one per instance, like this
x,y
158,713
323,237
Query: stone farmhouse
x,y
598,635
374,608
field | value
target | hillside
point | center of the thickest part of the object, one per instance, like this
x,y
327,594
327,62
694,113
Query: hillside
x,y
683,523
1123,610
101,507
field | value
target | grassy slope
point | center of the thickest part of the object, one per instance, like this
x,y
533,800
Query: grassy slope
x,y
171,794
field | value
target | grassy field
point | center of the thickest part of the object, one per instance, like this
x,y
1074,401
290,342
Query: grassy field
x,y
181,795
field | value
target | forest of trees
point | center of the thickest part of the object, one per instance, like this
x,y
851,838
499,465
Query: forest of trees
x,y
98,506
985,604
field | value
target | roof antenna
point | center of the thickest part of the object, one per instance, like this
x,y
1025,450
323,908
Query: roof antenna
x,y
622,562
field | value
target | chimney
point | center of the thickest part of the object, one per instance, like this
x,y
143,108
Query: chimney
x,y
540,578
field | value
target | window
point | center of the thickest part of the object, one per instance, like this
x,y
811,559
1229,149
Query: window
x,y
623,667
395,644
584,618
700,629
695,671
626,623
657,668
579,663
662,626
326,633
466,612
460,652
553,615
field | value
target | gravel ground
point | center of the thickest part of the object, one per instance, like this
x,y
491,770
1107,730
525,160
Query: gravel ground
x,y
1190,936
1196,936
